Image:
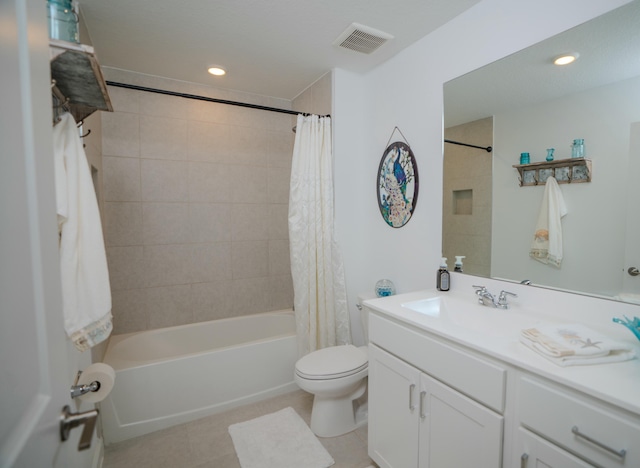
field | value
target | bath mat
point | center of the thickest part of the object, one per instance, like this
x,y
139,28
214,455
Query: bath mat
x,y
278,440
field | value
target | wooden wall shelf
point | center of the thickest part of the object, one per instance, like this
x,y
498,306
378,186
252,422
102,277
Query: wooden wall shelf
x,y
565,171
77,81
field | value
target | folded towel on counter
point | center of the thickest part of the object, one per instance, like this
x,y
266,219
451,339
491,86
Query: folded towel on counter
x,y
574,344
86,295
547,240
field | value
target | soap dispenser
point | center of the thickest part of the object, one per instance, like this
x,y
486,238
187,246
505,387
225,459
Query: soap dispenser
x,y
443,276
458,266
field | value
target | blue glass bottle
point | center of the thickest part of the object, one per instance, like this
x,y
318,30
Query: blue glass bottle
x,y
524,158
577,149
63,21
550,154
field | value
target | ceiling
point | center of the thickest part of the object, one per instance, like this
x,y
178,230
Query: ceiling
x,y
609,48
273,48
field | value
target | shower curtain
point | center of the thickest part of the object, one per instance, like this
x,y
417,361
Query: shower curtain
x,y
320,299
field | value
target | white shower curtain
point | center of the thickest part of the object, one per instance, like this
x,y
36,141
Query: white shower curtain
x,y
320,299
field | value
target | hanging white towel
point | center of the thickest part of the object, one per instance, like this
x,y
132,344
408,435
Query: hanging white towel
x,y
86,294
574,344
547,240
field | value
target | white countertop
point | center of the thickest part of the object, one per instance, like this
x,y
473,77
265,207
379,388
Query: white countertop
x,y
496,332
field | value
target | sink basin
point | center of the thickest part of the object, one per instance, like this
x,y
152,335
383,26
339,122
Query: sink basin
x,y
467,314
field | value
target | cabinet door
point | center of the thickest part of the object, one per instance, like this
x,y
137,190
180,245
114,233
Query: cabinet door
x,y
457,431
532,451
393,410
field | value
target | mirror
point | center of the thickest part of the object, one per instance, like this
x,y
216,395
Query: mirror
x,y
524,103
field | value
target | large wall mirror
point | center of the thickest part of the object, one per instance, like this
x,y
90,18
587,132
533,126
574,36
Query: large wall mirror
x,y
524,103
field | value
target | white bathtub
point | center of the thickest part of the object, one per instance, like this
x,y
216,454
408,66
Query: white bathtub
x,y
173,375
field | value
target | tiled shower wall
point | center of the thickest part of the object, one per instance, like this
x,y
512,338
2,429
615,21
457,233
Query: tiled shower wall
x,y
196,201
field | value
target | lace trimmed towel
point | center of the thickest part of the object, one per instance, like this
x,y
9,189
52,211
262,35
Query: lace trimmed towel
x,y
574,344
547,240
86,295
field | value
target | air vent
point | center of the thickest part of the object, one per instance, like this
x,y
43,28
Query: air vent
x,y
362,38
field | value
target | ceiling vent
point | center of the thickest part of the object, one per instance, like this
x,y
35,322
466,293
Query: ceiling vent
x,y
362,38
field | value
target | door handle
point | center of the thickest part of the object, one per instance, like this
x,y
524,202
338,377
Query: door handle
x,y
633,271
69,420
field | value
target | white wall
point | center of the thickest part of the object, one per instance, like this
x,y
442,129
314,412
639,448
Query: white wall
x,y
594,239
406,92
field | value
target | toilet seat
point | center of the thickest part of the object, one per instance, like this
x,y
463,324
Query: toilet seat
x,y
332,363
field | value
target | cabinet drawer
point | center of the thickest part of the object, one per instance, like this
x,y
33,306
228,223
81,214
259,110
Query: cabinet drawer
x,y
477,378
582,426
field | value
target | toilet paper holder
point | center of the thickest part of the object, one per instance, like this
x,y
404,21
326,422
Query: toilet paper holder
x,y
77,390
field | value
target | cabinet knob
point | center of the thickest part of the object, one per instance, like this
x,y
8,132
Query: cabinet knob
x,y
523,460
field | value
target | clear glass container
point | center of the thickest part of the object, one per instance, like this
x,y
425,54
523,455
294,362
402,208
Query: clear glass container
x,y
385,287
577,149
63,21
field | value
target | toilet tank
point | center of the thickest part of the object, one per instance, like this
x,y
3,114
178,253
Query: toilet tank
x,y
364,314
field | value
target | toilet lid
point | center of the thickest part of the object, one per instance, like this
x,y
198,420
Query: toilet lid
x,y
332,363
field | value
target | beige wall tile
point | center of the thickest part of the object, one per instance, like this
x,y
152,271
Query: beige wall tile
x,y
165,223
210,262
129,311
124,100
202,111
123,223
280,149
163,105
169,306
279,260
250,296
120,134
210,222
163,138
250,259
250,221
121,179
208,142
166,265
278,221
126,267
211,301
164,181
250,184
278,185
280,293
211,182
248,146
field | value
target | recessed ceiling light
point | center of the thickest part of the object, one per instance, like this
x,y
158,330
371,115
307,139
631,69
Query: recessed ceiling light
x,y
566,59
216,70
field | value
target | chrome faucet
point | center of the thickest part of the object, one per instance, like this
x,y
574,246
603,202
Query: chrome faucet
x,y
485,298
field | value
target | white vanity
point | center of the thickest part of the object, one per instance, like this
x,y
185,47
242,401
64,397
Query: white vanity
x,y
451,386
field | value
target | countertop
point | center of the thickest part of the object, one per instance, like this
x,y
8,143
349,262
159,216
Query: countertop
x,y
495,333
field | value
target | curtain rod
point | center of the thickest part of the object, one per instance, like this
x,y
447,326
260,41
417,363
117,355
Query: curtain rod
x,y
204,98
488,149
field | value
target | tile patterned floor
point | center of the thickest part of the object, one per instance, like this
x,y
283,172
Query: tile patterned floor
x,y
206,443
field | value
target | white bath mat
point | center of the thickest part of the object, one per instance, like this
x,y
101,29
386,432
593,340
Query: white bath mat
x,y
278,440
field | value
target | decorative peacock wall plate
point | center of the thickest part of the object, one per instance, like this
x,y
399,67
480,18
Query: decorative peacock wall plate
x,y
397,184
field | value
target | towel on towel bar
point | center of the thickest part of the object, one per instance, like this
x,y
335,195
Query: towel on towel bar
x,y
86,294
574,344
547,240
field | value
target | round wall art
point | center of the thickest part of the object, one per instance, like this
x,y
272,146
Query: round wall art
x,y
397,184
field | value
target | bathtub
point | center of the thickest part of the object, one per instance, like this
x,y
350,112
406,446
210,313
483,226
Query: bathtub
x,y
174,375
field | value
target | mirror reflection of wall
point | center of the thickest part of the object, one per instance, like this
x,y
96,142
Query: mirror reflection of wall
x,y
536,105
466,208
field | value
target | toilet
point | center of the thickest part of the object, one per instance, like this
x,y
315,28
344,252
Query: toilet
x,y
337,377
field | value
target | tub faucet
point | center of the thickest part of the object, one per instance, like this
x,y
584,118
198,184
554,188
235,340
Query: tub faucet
x,y
485,298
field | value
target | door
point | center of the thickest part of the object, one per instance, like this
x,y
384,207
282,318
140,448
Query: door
x,y
533,452
457,431
34,359
393,410
631,281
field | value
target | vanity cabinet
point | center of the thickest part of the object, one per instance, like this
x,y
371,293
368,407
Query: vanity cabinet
x,y
416,418
571,423
416,421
